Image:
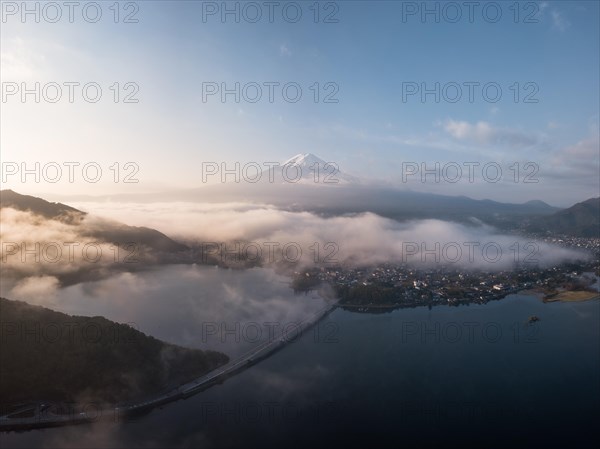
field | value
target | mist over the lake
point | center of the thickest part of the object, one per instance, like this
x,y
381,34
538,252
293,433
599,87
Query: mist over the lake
x,y
190,305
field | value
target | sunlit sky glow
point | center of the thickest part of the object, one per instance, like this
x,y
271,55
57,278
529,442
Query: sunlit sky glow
x,y
369,53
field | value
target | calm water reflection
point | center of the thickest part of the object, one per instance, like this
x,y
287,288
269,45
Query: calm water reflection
x,y
448,376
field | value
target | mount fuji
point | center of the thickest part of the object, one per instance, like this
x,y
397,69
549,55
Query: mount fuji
x,y
307,168
307,183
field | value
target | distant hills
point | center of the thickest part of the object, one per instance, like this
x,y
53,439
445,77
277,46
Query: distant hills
x,y
581,220
306,182
345,198
88,359
103,231
46,209
390,202
56,225
349,198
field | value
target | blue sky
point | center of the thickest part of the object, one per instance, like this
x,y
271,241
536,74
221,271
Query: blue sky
x,y
368,54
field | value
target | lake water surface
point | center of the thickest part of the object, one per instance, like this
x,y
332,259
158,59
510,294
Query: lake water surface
x,y
449,376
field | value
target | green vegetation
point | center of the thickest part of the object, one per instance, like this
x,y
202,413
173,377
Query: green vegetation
x,y
572,296
581,219
51,356
368,294
305,282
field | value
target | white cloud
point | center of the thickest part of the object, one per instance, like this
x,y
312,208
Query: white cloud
x,y
27,59
40,290
481,132
18,61
360,239
555,17
284,50
484,133
583,157
559,21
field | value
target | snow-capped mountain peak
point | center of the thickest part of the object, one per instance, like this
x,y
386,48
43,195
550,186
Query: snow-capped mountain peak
x,y
304,159
313,169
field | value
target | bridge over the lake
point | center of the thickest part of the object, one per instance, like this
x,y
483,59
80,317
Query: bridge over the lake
x,y
41,415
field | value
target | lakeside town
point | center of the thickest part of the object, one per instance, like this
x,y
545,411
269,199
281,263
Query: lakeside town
x,y
396,285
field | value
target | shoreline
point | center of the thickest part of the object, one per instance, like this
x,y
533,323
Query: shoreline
x,y
122,412
573,296
565,297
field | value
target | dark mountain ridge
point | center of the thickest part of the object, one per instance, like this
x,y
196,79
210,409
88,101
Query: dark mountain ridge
x,y
580,220
109,231
116,363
